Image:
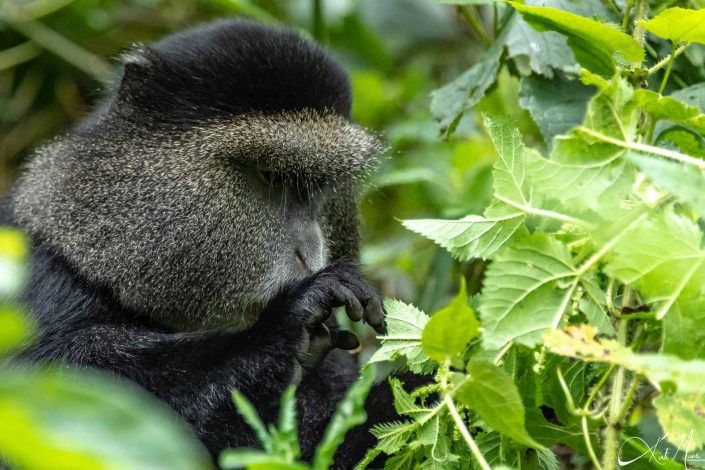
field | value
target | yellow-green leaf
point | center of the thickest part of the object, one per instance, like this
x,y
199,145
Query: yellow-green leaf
x,y
449,330
678,25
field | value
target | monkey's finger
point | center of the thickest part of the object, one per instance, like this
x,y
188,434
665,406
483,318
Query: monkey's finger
x,y
320,344
374,314
346,340
321,301
353,307
342,296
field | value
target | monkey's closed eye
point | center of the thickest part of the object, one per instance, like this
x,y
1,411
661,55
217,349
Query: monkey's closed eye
x,y
268,177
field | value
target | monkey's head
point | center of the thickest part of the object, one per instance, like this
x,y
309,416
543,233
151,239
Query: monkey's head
x,y
221,167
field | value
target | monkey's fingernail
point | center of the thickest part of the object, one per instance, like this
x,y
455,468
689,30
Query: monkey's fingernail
x,y
354,310
374,314
347,340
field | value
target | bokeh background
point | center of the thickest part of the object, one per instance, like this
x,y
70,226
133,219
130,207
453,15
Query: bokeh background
x,y
58,56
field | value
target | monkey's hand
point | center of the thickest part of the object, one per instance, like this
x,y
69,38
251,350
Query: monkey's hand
x,y
312,301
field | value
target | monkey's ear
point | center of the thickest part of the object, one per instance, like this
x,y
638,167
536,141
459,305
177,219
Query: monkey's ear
x,y
138,65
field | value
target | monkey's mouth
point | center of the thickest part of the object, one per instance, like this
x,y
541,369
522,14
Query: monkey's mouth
x,y
302,261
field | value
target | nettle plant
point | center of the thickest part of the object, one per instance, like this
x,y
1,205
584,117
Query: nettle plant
x,y
587,338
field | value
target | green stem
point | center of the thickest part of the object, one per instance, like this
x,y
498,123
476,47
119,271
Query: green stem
x,y
466,434
628,399
67,50
639,32
18,54
318,21
596,389
627,16
613,6
644,148
588,442
667,60
671,56
470,15
609,459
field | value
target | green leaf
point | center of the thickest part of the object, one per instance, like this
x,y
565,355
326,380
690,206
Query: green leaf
x,y
13,269
491,393
449,103
405,324
86,420
548,460
402,461
251,417
662,258
580,342
435,435
287,436
693,95
594,304
678,25
405,403
393,436
611,112
685,182
473,236
683,334
667,107
15,329
349,413
256,460
509,171
513,177
526,291
449,330
593,43
556,104
682,417
581,186
546,52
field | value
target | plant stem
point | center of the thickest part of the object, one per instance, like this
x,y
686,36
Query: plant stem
x,y
470,15
671,56
644,148
639,33
466,434
67,50
613,6
18,54
588,442
628,399
609,459
667,60
318,28
627,15
596,389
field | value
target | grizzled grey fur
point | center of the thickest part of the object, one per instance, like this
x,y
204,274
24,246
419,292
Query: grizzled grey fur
x,y
177,223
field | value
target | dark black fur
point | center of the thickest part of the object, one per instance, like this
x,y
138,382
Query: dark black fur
x,y
217,72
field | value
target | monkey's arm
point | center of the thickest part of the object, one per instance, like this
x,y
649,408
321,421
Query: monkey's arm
x,y
195,373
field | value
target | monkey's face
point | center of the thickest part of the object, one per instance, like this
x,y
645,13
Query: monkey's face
x,y
199,228
213,175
